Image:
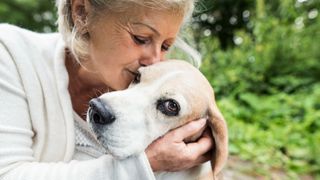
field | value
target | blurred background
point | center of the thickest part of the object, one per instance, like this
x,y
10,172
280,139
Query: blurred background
x,y
263,59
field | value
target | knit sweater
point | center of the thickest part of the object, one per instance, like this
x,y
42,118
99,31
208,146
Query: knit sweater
x,y
37,139
87,146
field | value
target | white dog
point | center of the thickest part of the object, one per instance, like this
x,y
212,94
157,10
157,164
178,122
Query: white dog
x,y
162,97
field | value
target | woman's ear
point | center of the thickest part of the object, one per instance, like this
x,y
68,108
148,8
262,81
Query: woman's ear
x,y
79,11
220,134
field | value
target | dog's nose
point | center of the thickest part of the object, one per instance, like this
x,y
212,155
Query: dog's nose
x,y
100,113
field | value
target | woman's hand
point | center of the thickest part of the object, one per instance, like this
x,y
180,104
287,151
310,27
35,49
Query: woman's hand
x,y
171,153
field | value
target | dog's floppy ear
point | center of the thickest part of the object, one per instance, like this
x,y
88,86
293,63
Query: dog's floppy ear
x,y
220,134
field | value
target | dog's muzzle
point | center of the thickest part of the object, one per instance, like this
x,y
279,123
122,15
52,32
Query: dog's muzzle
x,y
100,113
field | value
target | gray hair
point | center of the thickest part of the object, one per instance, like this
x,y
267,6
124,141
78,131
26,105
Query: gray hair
x,y
77,42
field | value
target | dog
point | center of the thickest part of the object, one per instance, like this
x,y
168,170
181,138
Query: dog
x,y
162,97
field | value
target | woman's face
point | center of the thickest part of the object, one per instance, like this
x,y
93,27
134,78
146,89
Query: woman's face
x,y
118,46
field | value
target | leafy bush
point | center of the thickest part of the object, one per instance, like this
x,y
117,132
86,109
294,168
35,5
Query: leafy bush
x,y
268,88
33,15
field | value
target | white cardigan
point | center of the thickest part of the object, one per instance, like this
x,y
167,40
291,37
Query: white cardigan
x,y
36,116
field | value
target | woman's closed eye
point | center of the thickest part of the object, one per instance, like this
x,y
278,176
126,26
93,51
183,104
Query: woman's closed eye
x,y
140,40
165,47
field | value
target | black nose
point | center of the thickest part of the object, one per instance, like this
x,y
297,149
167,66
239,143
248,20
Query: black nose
x,y
100,113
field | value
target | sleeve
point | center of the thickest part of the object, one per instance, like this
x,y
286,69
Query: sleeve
x,y
16,139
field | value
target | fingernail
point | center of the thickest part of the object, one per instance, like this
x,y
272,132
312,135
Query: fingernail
x,y
203,121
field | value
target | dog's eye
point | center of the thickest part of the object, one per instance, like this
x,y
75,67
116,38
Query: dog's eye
x,y
168,107
137,77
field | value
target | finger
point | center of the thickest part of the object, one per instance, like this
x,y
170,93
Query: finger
x,y
207,133
203,145
204,158
187,130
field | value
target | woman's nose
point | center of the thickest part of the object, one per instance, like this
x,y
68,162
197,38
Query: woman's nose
x,y
151,56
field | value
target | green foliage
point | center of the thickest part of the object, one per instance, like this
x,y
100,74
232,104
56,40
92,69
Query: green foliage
x,y
268,87
278,131
221,18
34,15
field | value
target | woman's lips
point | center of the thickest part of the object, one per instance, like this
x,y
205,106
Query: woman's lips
x,y
133,73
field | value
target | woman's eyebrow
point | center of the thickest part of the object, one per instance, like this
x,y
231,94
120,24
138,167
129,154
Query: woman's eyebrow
x,y
147,25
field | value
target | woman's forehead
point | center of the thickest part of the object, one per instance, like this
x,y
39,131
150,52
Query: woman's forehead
x,y
160,22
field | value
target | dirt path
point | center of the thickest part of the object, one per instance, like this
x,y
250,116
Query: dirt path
x,y
237,169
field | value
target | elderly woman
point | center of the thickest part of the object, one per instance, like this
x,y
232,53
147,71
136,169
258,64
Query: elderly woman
x,y
47,80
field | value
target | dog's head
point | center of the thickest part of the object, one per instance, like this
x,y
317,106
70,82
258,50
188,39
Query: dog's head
x,y
163,96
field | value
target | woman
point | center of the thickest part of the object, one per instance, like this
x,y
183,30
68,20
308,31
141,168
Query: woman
x,y
47,80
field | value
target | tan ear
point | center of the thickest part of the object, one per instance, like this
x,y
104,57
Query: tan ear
x,y
220,134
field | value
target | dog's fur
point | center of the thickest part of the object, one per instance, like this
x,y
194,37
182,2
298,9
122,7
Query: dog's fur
x,y
140,120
